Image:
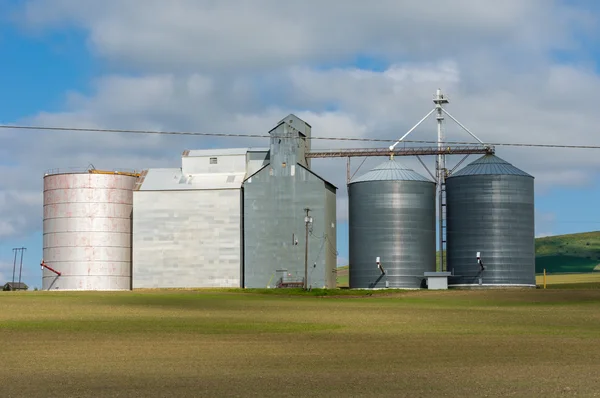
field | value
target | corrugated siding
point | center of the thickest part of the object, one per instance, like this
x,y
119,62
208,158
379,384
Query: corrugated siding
x,y
274,202
393,220
186,239
331,217
493,215
87,231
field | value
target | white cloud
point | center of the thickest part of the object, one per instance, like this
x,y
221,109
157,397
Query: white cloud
x,y
238,68
5,272
369,104
191,34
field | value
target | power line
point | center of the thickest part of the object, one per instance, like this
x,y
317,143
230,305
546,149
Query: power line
x,y
97,130
234,135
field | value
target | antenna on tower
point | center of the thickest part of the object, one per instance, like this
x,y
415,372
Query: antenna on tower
x,y
439,99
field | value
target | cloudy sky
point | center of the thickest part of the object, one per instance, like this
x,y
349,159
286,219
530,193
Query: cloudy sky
x,y
517,71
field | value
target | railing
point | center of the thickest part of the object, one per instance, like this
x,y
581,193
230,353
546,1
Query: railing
x,y
86,170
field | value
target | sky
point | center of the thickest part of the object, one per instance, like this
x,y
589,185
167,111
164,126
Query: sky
x,y
520,71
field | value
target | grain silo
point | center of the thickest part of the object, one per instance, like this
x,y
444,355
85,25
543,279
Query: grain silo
x,y
392,219
87,230
490,213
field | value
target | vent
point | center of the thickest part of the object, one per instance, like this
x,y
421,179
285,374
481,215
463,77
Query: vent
x,y
213,160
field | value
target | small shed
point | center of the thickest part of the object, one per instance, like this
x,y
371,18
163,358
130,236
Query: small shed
x,y
12,286
437,280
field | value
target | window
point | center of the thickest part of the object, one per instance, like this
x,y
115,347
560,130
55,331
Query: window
x,y
213,160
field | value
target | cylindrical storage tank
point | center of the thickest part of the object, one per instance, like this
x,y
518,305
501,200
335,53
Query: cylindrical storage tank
x,y
87,231
391,218
490,211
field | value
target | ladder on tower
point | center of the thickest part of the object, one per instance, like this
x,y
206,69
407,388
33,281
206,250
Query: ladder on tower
x,y
443,224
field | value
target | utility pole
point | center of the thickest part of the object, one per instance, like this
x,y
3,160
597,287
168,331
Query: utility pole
x,y
21,265
307,222
14,265
17,250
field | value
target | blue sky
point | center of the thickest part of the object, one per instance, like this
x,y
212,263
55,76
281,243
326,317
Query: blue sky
x,y
523,73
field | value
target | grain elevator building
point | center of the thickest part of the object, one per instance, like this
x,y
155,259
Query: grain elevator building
x,y
275,199
235,217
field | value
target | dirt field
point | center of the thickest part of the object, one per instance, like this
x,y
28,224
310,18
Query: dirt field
x,y
190,344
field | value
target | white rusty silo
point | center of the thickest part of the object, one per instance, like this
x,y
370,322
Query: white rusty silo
x,y
87,230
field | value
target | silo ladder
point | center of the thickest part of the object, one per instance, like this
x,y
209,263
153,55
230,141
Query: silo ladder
x,y
443,230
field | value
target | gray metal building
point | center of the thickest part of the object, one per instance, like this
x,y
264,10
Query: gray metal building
x,y
391,217
490,210
274,218
187,222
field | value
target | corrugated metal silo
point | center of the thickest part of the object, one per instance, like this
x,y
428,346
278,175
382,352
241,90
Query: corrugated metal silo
x,y
490,210
392,216
87,231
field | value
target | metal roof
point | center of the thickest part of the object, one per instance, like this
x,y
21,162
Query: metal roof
x,y
222,151
174,180
489,165
299,165
390,170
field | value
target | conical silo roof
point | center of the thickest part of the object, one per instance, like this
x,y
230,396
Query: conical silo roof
x,y
390,170
490,165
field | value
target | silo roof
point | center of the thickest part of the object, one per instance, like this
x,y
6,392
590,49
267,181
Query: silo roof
x,y
391,171
490,165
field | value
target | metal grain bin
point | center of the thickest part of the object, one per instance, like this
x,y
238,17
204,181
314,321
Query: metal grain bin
x,y
392,217
87,231
490,211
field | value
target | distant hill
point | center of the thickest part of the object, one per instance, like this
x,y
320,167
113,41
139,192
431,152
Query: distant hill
x,y
573,253
568,253
343,276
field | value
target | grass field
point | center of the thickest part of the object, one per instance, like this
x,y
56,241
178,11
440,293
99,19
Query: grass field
x,y
233,344
568,281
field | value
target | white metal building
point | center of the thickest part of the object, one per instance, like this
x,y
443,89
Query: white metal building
x,y
187,222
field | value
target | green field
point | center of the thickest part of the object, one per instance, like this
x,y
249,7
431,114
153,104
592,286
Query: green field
x,y
568,253
343,276
491,343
